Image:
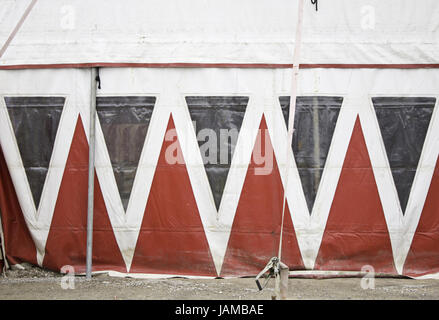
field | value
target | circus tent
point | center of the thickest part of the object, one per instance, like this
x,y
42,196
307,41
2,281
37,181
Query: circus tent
x,y
360,178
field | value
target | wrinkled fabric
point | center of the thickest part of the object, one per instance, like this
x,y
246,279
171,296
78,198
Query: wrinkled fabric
x,y
217,113
124,122
403,122
314,124
35,122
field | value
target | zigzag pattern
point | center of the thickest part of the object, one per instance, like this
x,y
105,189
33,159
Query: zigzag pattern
x,y
171,224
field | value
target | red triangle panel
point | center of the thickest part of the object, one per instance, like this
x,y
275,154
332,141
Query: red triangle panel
x,y
172,238
356,232
423,256
66,243
255,233
19,244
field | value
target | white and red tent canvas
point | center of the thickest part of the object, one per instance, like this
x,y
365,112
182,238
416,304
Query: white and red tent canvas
x,y
363,184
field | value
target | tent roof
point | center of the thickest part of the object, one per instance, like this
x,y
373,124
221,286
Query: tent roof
x,y
225,32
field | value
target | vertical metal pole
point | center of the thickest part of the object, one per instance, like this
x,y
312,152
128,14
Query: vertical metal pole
x,y
91,171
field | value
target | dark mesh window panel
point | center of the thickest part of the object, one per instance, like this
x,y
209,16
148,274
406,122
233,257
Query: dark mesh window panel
x,y
124,122
403,122
218,113
35,121
314,123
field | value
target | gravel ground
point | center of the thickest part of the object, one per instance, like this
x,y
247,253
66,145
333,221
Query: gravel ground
x,y
36,283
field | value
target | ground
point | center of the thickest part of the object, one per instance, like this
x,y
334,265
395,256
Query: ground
x,y
35,283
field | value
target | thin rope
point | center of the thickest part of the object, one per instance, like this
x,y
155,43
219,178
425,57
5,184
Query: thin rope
x,y
296,59
17,27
